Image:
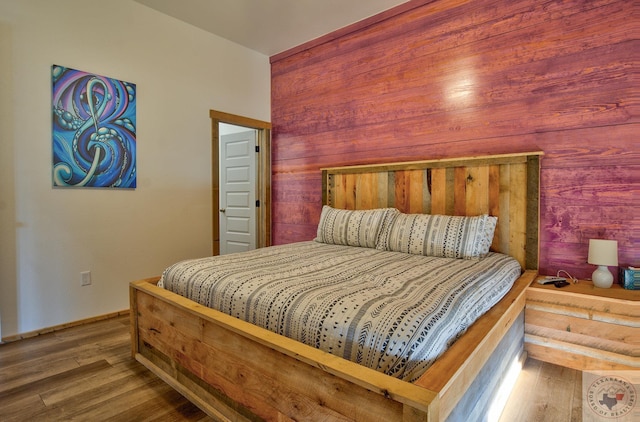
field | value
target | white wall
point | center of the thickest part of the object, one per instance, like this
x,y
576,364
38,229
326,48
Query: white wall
x,y
48,236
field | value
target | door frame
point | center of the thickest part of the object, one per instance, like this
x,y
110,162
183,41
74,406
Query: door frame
x,y
263,175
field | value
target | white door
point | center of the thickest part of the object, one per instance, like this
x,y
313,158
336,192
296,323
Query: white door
x,y
238,192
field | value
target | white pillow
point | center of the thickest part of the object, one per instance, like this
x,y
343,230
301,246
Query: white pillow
x,y
353,227
442,235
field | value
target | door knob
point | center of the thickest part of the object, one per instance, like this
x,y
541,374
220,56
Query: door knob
x,y
223,210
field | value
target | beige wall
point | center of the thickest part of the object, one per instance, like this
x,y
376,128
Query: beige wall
x,y
48,236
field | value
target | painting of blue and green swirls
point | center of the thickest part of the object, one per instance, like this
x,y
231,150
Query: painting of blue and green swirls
x,y
94,130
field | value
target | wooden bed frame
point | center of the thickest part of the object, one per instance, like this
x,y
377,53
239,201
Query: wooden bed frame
x,y
236,371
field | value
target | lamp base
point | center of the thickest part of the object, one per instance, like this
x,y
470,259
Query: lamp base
x,y
602,277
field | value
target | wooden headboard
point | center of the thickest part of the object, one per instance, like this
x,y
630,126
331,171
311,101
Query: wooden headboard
x,y
505,186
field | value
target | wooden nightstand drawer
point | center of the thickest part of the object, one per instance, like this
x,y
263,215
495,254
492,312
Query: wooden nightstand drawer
x,y
583,327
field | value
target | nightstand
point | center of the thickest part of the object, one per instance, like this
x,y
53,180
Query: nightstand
x,y
583,327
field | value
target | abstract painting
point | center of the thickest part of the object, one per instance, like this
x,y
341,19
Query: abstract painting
x,y
94,130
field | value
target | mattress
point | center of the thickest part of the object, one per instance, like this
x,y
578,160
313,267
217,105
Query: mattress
x,y
390,311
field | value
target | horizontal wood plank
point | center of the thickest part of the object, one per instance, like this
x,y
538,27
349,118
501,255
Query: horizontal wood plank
x,y
457,78
613,336
575,356
583,295
583,327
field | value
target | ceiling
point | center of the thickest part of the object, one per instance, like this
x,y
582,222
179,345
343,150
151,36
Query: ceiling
x,y
270,26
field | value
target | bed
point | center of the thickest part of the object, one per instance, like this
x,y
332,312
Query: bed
x,y
235,370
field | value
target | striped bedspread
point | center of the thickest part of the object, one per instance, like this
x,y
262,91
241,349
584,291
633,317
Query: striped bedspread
x,y
390,311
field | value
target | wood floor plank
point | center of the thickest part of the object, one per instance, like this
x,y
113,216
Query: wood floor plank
x,y
184,411
104,330
32,371
42,346
515,409
576,404
111,407
112,347
100,385
545,392
39,385
114,353
13,410
553,398
171,407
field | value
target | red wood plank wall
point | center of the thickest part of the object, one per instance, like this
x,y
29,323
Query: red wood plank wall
x,y
450,78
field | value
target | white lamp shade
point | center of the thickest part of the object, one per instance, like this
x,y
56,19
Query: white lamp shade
x,y
603,252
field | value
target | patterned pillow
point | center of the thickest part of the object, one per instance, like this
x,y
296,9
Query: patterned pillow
x,y
442,235
354,227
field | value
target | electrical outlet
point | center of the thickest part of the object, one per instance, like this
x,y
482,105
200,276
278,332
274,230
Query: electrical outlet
x,y
85,278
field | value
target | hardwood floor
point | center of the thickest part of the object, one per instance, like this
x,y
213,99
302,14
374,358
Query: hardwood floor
x,y
86,373
545,392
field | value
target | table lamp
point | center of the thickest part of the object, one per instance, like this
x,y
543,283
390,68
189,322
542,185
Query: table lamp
x,y
603,253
